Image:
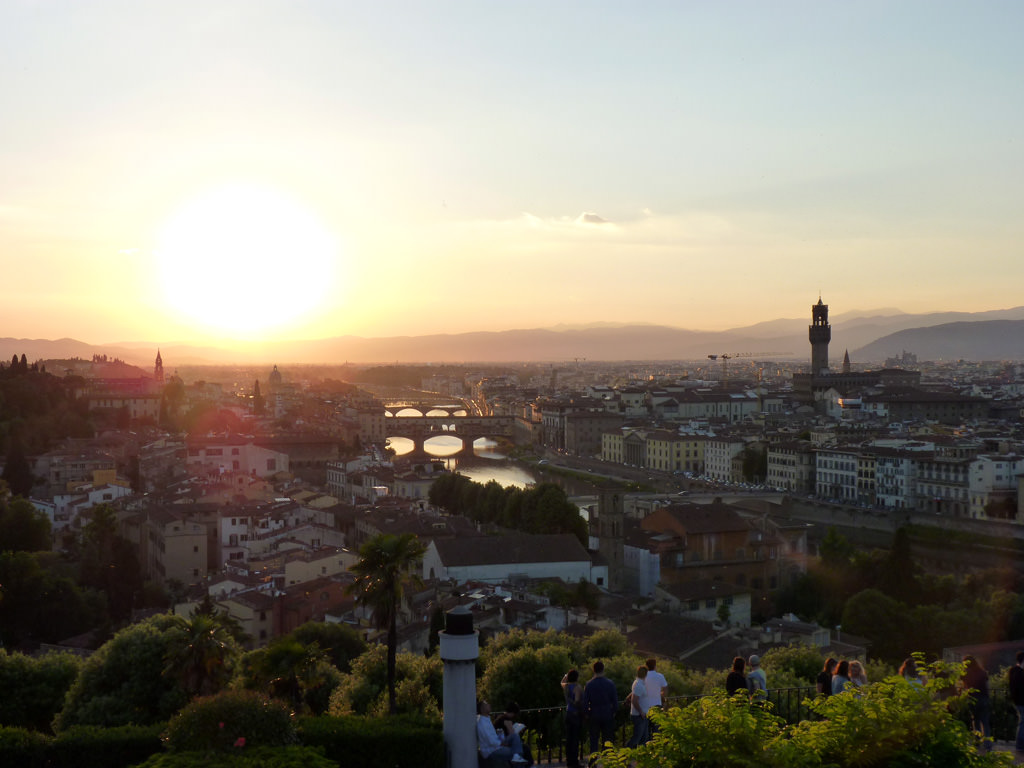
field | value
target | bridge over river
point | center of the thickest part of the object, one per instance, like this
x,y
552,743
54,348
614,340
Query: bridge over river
x,y
420,429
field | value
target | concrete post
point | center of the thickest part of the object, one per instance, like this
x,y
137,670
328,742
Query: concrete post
x,y
460,647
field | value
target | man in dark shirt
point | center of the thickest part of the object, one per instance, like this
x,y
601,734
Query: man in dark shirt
x,y
1016,690
600,702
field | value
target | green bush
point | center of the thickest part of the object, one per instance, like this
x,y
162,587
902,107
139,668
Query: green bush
x,y
229,720
23,748
386,742
244,757
123,682
364,691
93,747
34,689
888,724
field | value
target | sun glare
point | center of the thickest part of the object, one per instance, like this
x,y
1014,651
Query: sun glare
x,y
245,260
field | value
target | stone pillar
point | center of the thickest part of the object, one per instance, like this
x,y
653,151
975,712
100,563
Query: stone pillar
x,y
460,647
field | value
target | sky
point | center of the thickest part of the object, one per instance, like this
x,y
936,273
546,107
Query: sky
x,y
177,170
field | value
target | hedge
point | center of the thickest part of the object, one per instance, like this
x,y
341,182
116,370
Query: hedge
x,y
80,747
400,741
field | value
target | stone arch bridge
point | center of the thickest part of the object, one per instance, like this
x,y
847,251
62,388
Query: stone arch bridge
x,y
419,429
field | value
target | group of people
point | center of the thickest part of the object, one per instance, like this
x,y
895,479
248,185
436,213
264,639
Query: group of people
x,y
749,677
836,676
598,701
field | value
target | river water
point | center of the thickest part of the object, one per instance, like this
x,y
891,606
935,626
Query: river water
x,y
488,462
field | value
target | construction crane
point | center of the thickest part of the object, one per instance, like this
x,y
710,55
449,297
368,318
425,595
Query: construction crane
x,y
725,358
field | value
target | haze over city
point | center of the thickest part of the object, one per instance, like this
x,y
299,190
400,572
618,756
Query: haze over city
x,y
177,172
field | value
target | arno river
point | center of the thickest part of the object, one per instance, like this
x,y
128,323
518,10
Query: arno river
x,y
487,464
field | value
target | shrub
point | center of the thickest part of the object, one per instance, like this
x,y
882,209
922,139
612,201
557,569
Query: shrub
x,y
93,747
793,666
604,644
231,719
385,742
34,689
22,747
888,724
528,676
712,732
244,757
364,691
518,638
123,682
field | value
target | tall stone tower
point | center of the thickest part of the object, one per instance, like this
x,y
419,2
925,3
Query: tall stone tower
x,y
820,334
158,369
610,535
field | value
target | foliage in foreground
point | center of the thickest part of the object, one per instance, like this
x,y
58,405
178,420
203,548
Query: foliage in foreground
x,y
79,747
229,721
244,757
123,682
397,740
34,689
890,723
364,692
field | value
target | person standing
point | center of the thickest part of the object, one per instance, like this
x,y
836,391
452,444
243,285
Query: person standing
x,y
824,680
979,701
757,680
657,687
858,676
736,680
600,702
1016,690
573,693
841,677
638,706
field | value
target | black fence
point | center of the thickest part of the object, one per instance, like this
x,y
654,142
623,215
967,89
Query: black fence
x,y
545,734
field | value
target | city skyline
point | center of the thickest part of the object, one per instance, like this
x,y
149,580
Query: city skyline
x,y
302,171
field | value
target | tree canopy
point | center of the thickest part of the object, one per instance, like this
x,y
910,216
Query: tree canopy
x,y
543,508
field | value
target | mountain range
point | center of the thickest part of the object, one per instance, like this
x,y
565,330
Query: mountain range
x,y
870,337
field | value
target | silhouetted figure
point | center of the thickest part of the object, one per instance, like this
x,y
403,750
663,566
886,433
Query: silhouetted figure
x,y
736,680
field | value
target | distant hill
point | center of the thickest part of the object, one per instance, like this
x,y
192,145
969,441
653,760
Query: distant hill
x,y
984,340
870,336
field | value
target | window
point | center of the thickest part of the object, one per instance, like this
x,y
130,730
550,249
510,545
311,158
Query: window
x,y
195,547
214,451
694,605
271,465
195,571
710,602
234,451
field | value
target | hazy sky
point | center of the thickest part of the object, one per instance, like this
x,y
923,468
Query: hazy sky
x,y
187,170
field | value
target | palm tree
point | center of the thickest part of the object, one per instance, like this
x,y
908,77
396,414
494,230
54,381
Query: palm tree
x,y
384,562
201,655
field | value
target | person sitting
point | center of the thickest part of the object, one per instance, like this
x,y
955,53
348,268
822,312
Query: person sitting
x,y
495,747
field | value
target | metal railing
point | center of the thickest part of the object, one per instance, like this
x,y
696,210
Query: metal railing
x,y
545,726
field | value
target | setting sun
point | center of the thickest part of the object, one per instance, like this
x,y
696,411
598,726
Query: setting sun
x,y
245,259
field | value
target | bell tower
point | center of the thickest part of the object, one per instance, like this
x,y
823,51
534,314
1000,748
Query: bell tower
x,y
820,334
158,368
610,534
